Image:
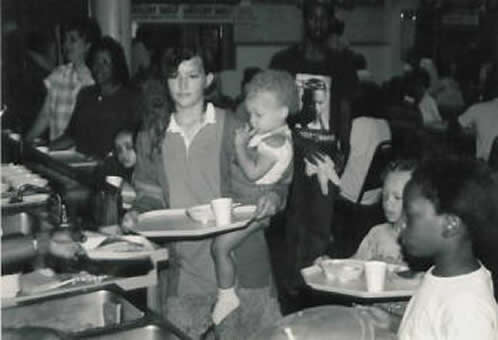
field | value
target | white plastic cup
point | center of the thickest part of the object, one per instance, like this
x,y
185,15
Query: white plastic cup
x,y
222,209
10,285
375,273
115,181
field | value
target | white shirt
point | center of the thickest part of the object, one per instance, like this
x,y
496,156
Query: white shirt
x,y
483,117
209,118
452,308
366,134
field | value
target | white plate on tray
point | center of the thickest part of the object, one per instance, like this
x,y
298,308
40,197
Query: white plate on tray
x,y
176,223
395,285
26,200
118,249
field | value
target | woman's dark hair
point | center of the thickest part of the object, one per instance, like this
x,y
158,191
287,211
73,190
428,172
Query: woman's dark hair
x,y
461,187
154,119
131,130
120,72
172,57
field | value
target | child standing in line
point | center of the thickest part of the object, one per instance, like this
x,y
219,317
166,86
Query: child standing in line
x,y
450,205
121,162
264,153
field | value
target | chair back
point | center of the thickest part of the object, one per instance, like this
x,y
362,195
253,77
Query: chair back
x,y
493,155
382,156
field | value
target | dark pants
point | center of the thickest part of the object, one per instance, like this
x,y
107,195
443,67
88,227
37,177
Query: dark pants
x,y
308,219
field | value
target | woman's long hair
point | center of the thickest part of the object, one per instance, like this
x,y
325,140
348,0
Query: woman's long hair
x,y
155,108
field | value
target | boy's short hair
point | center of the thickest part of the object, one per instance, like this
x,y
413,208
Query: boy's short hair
x,y
172,57
461,187
86,27
280,83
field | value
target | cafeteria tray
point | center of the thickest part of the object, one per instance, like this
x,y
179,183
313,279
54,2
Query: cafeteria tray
x,y
176,223
396,286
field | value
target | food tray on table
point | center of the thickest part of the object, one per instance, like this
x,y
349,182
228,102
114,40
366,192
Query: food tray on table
x,y
347,277
177,223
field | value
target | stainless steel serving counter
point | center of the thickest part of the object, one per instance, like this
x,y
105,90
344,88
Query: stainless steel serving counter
x,y
69,174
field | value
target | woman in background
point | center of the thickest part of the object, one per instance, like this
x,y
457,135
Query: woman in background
x,y
103,109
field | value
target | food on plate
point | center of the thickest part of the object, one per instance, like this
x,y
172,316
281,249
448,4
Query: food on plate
x,y
201,213
348,272
122,247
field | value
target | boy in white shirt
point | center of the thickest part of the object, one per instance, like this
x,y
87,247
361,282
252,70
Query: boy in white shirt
x,y
449,204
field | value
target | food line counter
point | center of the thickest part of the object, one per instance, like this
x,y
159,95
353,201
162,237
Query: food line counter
x,y
69,175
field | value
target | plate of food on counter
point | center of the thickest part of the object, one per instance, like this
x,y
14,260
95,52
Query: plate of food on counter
x,y
347,277
116,247
195,221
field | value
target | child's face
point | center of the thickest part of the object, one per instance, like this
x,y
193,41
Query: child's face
x,y
125,151
423,234
392,194
75,47
265,111
187,85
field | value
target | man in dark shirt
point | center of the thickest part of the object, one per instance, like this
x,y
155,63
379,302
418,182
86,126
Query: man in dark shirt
x,y
312,58
308,230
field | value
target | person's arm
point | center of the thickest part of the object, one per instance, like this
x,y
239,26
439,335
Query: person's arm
x,y
254,167
145,181
41,122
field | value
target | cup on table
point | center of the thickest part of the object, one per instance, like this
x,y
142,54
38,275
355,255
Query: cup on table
x,y
222,209
375,273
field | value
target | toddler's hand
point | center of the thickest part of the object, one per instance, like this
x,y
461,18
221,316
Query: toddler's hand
x,y
242,135
320,259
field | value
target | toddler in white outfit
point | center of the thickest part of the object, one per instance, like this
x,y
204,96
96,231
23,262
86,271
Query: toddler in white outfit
x,y
264,154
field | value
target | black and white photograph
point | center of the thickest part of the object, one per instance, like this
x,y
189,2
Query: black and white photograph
x,y
249,169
